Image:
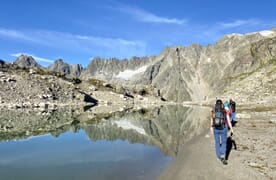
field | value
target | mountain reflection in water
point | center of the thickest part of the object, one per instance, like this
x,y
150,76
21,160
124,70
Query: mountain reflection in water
x,y
135,144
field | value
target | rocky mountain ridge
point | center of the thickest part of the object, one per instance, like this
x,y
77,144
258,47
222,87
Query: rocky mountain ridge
x,y
180,74
196,73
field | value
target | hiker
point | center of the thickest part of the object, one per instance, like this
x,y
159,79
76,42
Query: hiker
x,y
233,107
227,106
220,122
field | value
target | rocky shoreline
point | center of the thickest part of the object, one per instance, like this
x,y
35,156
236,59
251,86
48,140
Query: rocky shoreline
x,y
30,88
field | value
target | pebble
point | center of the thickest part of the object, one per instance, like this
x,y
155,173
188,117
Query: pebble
x,y
273,120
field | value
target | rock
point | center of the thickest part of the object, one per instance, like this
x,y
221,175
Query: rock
x,y
32,71
273,120
243,116
11,80
35,105
140,97
93,88
107,85
17,106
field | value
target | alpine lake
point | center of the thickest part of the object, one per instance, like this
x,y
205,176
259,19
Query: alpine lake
x,y
73,144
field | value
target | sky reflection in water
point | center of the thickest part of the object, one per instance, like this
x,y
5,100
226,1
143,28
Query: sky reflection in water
x,y
74,156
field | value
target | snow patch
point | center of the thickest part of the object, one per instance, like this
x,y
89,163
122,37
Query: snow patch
x,y
266,33
128,74
233,34
125,124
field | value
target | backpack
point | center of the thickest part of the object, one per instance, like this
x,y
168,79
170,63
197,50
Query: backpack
x,y
219,117
227,104
233,106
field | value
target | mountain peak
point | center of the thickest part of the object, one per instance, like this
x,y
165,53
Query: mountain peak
x,y
26,61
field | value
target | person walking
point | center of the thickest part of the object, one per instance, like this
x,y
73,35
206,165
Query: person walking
x,y
220,122
233,107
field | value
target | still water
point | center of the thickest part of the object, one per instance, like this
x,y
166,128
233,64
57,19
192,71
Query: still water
x,y
129,145
74,156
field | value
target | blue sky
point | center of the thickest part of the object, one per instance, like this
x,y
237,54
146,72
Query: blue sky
x,y
78,30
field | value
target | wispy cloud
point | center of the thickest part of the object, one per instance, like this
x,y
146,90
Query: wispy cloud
x,y
239,26
93,45
240,23
208,33
144,16
17,35
35,57
107,42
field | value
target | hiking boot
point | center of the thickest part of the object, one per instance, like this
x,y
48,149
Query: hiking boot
x,y
224,161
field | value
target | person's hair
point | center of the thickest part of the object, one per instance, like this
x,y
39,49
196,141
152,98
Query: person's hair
x,y
219,101
219,105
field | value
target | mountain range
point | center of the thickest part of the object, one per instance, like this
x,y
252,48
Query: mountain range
x,y
193,73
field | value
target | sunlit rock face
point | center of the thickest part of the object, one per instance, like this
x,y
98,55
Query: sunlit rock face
x,y
59,66
191,73
26,61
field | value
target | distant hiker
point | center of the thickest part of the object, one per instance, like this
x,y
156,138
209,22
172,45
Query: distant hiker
x,y
233,107
220,119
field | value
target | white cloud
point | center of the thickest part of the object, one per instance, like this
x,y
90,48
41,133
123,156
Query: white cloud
x,y
144,16
35,57
209,33
54,38
96,46
239,23
106,42
12,34
18,35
